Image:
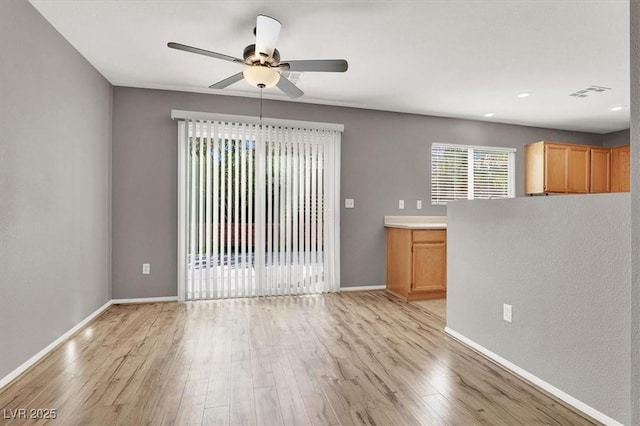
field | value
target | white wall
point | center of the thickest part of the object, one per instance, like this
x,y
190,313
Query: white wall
x,y
564,264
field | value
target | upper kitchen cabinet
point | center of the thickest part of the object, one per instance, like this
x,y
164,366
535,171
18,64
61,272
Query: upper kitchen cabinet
x,y
552,167
620,166
564,168
600,170
578,172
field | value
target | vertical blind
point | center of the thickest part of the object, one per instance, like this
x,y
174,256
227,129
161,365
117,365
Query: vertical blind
x,y
259,210
471,172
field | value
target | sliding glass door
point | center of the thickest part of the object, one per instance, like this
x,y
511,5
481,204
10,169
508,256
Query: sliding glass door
x,y
258,210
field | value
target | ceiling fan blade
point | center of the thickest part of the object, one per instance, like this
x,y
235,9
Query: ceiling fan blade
x,y
203,52
267,32
319,65
288,87
227,81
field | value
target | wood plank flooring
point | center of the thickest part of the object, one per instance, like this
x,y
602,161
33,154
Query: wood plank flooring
x,y
435,306
335,359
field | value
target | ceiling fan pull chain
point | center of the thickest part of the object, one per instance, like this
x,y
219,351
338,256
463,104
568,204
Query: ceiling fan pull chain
x,y
260,107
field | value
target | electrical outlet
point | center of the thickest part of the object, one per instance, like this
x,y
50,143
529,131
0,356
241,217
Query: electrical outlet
x,y
401,204
146,268
507,311
419,204
349,203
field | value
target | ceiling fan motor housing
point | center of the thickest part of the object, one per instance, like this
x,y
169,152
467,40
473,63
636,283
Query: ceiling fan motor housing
x,y
252,57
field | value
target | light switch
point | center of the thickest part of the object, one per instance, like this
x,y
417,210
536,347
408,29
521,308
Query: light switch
x,y
146,268
419,204
349,203
401,204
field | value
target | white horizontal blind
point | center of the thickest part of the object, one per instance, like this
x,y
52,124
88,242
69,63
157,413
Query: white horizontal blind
x,y
467,172
491,169
449,173
261,214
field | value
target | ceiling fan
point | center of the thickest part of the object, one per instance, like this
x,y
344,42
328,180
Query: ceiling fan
x,y
261,61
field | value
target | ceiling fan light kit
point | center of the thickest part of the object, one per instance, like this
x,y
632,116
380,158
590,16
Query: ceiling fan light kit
x,y
262,65
260,76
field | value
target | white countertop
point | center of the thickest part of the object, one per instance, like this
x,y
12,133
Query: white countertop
x,y
416,222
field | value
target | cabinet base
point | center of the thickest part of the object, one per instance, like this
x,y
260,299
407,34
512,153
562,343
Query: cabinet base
x,y
420,295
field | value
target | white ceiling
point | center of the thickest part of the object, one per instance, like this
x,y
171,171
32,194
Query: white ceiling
x,y
445,58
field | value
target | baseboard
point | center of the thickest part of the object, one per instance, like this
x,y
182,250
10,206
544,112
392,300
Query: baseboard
x,y
364,288
577,404
144,300
37,357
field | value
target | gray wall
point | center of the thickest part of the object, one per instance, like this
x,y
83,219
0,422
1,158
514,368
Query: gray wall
x,y
635,210
55,149
564,264
385,158
610,140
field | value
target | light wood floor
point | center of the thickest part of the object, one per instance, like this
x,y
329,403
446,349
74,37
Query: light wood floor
x,y
436,306
348,358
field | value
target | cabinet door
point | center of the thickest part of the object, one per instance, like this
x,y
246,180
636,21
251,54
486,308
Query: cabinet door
x,y
556,162
579,166
620,165
430,266
625,167
399,260
600,170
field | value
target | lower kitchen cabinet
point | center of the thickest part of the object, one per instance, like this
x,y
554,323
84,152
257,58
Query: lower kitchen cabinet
x,y
417,263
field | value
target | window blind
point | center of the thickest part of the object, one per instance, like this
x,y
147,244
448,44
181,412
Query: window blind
x,y
471,172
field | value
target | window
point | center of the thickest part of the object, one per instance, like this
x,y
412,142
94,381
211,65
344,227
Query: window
x,y
471,172
257,204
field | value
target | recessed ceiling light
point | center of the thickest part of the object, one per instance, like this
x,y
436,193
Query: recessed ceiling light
x,y
524,95
490,114
617,108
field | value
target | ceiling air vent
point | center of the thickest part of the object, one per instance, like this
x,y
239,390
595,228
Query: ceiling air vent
x,y
589,91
